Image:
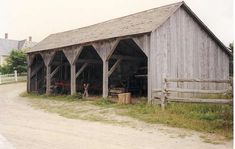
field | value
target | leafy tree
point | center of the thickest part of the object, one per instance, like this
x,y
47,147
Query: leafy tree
x,y
16,61
231,59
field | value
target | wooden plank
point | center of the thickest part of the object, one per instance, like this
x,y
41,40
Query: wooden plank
x,y
196,91
81,69
197,80
55,71
199,100
88,61
124,57
114,66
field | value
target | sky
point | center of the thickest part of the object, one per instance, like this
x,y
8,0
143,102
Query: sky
x,y
40,18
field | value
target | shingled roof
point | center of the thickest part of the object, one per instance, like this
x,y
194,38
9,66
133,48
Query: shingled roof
x,y
138,23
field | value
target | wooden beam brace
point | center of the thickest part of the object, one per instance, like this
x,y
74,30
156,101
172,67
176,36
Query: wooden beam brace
x,y
114,67
81,69
72,53
34,72
55,71
48,57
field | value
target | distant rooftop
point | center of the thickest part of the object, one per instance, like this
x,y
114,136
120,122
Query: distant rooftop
x,y
7,45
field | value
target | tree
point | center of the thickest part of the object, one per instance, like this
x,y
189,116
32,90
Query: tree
x,y
231,59
16,61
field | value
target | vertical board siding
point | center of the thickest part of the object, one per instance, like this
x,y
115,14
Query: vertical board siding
x,y
188,52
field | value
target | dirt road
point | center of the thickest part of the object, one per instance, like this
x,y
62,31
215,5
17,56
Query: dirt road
x,y
28,128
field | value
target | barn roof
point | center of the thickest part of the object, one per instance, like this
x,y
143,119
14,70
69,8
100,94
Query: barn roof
x,y
138,23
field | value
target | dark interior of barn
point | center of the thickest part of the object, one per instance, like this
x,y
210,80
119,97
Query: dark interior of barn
x,y
130,74
89,68
60,74
38,75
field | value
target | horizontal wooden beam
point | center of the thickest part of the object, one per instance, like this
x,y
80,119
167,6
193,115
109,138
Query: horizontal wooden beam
x,y
89,61
196,91
125,57
199,100
198,80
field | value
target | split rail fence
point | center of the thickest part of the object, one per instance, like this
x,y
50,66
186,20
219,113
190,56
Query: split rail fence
x,y
166,92
15,77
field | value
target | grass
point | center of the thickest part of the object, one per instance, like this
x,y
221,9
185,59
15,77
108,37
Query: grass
x,y
214,119
217,119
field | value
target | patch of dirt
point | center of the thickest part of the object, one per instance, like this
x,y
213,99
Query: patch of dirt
x,y
26,125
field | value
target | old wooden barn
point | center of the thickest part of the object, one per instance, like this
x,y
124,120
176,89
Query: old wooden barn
x,y
134,53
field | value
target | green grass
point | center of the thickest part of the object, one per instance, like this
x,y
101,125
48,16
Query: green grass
x,y
215,119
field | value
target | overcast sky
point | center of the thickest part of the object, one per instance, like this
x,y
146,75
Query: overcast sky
x,y
39,18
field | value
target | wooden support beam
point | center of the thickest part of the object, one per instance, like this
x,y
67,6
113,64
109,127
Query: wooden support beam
x,y
123,57
88,61
81,69
73,79
72,53
28,79
34,72
114,67
143,43
55,71
48,80
105,78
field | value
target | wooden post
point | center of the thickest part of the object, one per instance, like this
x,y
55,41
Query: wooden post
x,y
48,77
164,94
47,58
105,78
15,74
73,79
28,79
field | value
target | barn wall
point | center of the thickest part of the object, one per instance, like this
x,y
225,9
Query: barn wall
x,y
180,48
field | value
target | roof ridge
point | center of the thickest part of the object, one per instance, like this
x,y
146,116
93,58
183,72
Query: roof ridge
x,y
177,3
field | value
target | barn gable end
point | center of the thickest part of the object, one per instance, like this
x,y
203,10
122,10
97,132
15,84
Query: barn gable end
x,y
183,48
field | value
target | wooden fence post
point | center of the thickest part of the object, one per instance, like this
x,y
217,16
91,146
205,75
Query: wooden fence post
x,y
16,78
164,94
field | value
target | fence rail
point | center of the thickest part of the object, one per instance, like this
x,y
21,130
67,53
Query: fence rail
x,y
15,77
166,92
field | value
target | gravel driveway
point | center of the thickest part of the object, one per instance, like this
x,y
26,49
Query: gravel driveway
x,y
28,128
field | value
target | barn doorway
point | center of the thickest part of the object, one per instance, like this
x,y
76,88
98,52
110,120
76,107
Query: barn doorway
x,y
89,68
128,69
38,75
60,74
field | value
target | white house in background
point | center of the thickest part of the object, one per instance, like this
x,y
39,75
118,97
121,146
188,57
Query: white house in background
x,y
7,45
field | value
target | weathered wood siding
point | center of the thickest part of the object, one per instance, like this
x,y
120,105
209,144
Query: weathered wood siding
x,y
180,48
